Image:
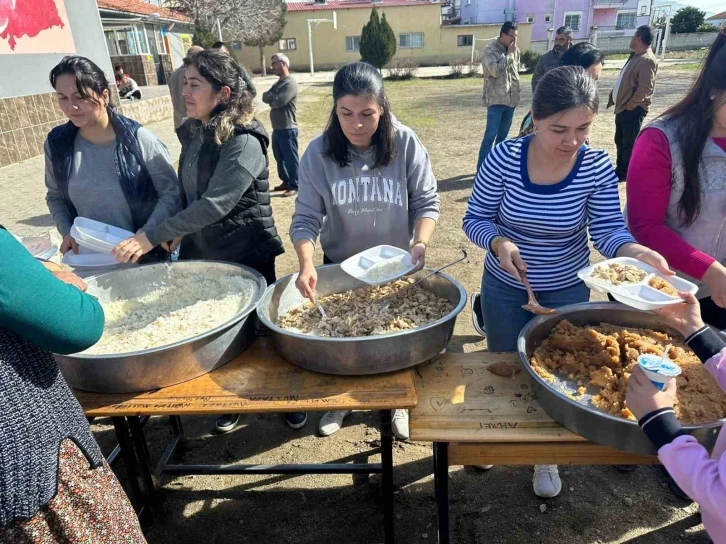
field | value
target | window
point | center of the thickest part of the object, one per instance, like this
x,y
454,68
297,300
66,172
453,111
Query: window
x,y
411,41
572,19
530,18
288,44
644,10
352,44
468,2
465,40
625,20
548,18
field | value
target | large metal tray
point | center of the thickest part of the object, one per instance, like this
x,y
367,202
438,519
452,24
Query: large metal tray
x,y
165,365
360,355
580,416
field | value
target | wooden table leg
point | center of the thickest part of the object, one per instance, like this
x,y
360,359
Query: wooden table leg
x,y
441,490
387,477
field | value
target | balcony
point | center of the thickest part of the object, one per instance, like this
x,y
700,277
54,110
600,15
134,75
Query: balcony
x,y
613,31
605,4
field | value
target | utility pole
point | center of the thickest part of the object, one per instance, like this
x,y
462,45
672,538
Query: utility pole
x,y
312,22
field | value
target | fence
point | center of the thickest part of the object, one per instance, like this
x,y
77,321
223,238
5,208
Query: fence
x,y
621,44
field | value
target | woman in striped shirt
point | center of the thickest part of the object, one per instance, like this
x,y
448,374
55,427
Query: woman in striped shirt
x,y
533,203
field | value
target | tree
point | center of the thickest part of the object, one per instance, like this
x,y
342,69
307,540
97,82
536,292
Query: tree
x,y
203,35
377,41
260,24
687,19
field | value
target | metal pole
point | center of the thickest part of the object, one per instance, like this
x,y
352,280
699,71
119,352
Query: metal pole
x,y
473,48
310,47
219,30
665,39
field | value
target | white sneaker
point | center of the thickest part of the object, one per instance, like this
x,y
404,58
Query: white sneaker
x,y
483,467
399,424
331,422
546,481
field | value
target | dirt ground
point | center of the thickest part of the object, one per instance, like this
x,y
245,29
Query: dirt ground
x,y
597,504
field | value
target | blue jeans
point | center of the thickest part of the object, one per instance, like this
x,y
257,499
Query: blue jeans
x,y
499,121
502,309
284,148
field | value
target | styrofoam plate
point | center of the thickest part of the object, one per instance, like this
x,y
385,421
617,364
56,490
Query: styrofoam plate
x,y
86,258
638,295
98,236
361,264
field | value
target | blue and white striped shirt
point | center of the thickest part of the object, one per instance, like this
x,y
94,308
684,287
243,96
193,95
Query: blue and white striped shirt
x,y
548,223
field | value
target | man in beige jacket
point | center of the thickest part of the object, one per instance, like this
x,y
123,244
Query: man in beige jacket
x,y
501,87
632,94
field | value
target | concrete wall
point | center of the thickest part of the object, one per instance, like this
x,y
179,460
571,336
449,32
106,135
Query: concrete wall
x,y
149,110
28,74
621,44
329,45
693,40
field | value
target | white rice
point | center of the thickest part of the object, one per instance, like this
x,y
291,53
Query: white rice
x,y
188,304
386,270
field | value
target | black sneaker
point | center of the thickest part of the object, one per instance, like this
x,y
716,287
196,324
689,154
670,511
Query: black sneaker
x,y
476,316
296,420
227,423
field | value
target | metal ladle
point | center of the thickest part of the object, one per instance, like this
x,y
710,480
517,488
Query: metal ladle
x,y
386,302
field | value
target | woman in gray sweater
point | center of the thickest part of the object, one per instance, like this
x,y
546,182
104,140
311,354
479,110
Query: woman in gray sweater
x,y
100,164
366,181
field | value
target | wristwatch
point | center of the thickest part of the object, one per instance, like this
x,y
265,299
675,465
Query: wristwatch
x,y
497,242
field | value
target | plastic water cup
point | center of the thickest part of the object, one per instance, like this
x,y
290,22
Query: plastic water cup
x,y
660,373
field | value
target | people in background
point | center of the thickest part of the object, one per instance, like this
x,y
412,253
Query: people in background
x,y
54,483
552,59
100,164
220,46
501,87
366,181
282,99
534,202
224,172
118,73
129,88
694,469
632,95
677,181
581,54
176,88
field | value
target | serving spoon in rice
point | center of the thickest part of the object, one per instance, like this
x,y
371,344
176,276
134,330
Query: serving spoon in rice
x,y
385,303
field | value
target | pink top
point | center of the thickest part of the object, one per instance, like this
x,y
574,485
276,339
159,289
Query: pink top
x,y
648,190
703,478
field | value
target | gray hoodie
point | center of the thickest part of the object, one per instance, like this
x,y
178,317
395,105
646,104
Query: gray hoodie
x,y
357,207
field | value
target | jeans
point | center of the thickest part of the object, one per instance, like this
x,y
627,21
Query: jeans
x,y
627,128
284,148
502,309
499,121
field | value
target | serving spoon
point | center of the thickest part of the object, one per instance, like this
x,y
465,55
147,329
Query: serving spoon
x,y
532,304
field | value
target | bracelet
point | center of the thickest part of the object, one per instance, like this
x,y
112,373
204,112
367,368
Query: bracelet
x,y
497,241
425,244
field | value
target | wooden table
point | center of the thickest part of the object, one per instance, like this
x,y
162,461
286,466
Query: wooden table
x,y
474,417
256,381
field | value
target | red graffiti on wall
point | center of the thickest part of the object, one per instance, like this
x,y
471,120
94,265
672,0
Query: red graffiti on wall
x,y
27,18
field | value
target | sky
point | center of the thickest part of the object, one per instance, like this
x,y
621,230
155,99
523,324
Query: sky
x,y
709,6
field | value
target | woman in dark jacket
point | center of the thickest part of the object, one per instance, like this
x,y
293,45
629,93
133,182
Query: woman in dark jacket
x,y
224,174
100,164
55,486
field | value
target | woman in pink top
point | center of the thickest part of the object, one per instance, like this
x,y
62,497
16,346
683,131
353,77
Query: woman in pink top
x,y
677,185
701,476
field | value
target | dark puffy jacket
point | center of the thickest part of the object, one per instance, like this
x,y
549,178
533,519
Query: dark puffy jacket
x,y
247,234
136,183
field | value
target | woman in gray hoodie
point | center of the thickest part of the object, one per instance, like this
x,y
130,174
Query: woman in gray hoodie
x,y
365,181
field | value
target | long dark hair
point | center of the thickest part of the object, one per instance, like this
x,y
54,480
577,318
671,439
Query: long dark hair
x,y
694,116
221,70
563,89
89,77
360,79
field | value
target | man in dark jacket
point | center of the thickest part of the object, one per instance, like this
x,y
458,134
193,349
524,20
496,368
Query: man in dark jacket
x,y
551,59
282,98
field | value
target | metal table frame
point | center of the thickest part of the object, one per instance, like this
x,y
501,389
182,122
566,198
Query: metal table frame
x,y
135,453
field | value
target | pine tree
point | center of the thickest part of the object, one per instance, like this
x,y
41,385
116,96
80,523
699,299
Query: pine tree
x,y
377,41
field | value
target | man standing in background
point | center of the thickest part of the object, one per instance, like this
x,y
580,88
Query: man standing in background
x,y
282,99
220,46
632,94
551,59
176,86
501,87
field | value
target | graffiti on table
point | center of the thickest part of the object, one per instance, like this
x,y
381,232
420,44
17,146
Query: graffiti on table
x,y
34,26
